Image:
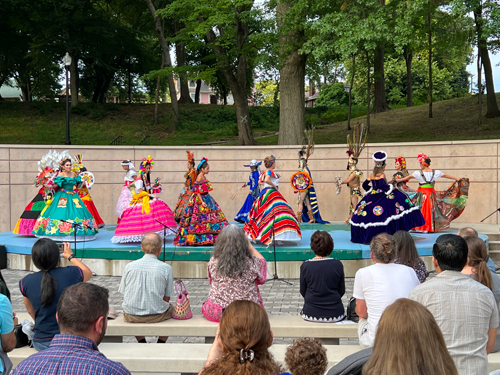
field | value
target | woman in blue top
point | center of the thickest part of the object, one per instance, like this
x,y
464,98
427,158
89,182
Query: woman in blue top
x,y
253,183
383,208
41,290
56,220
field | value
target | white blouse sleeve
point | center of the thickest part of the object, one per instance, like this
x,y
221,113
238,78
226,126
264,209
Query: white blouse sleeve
x,y
418,176
437,174
139,184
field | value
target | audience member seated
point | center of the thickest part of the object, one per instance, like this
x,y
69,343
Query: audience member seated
x,y
235,271
468,231
464,309
241,343
306,356
7,334
147,285
476,267
322,282
379,285
407,254
41,290
81,313
409,341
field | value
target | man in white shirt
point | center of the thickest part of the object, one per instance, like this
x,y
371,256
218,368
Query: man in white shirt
x,y
378,286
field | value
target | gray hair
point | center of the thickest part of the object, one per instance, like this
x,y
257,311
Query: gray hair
x,y
232,250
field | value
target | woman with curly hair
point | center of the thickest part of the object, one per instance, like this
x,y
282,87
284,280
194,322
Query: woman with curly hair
x,y
438,208
409,342
306,356
242,342
235,272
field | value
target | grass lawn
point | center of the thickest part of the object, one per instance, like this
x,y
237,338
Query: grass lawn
x,y
45,123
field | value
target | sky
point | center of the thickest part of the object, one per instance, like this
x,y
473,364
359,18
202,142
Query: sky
x,y
495,65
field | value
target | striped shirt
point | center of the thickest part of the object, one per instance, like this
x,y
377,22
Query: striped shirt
x,y
144,284
70,354
464,310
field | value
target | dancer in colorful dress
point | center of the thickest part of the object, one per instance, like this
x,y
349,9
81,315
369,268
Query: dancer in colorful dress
x,y
47,166
253,182
383,208
146,213
356,145
401,172
67,212
126,194
302,183
84,189
190,177
202,219
439,208
271,217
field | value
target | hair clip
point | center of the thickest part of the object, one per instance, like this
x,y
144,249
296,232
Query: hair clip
x,y
246,355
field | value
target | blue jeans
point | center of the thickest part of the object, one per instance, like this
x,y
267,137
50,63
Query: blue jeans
x,y
41,345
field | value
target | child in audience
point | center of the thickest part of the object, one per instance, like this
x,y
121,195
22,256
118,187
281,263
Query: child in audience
x,y
306,356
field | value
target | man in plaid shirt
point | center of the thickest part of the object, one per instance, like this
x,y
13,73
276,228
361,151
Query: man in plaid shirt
x,y
82,316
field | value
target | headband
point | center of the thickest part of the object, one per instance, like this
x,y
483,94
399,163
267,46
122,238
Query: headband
x,y
272,160
203,160
402,161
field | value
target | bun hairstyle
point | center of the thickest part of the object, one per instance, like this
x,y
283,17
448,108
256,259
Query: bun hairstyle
x,y
477,260
321,243
382,248
45,255
269,161
203,164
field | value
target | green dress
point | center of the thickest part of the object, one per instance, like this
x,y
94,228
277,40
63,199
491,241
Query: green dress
x,y
66,208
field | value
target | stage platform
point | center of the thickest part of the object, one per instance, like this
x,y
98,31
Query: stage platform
x,y
109,258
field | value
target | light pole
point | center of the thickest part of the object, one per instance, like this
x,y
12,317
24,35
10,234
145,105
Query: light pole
x,y
67,63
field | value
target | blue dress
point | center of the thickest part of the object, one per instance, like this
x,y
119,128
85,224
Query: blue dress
x,y
383,209
253,182
314,205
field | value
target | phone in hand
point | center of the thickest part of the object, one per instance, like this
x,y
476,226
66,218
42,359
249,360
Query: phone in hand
x,y
61,248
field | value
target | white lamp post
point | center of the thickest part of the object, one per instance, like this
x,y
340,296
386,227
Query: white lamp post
x,y
67,63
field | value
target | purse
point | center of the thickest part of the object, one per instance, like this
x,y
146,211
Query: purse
x,y
351,310
182,309
21,337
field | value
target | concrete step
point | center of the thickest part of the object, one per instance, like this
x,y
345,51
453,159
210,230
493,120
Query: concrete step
x,y
494,254
494,245
493,236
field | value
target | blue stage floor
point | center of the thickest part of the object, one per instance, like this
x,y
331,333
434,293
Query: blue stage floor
x,y
102,248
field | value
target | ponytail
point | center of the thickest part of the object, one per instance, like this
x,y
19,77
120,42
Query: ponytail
x,y
45,255
477,260
48,289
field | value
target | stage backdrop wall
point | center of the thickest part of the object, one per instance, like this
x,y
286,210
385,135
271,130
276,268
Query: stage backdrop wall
x,y
477,160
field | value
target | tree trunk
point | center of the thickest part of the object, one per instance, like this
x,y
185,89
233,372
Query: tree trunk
x,y
409,79
379,98
74,80
180,53
238,83
429,19
368,88
292,84
479,86
157,96
166,58
350,91
197,92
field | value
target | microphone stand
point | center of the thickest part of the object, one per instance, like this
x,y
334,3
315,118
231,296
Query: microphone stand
x,y
275,276
497,210
164,237
75,226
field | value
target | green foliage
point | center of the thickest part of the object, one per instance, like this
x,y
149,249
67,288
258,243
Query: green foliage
x,y
332,95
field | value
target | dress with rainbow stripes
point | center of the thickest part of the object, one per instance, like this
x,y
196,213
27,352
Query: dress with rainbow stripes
x,y
272,210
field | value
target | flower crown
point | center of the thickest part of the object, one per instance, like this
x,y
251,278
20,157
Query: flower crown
x,y
402,161
424,159
149,160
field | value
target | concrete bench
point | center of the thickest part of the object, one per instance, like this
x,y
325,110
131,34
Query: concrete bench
x,y
286,326
177,358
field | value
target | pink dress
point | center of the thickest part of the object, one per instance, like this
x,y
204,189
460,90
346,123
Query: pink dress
x,y
225,290
144,215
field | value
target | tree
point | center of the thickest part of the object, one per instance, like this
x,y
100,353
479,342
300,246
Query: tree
x,y
332,95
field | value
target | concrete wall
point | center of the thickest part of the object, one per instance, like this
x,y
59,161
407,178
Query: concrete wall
x,y
477,160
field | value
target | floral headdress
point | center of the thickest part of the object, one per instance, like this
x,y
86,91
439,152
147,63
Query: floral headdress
x,y
77,163
190,157
149,160
203,160
402,162
271,161
424,159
